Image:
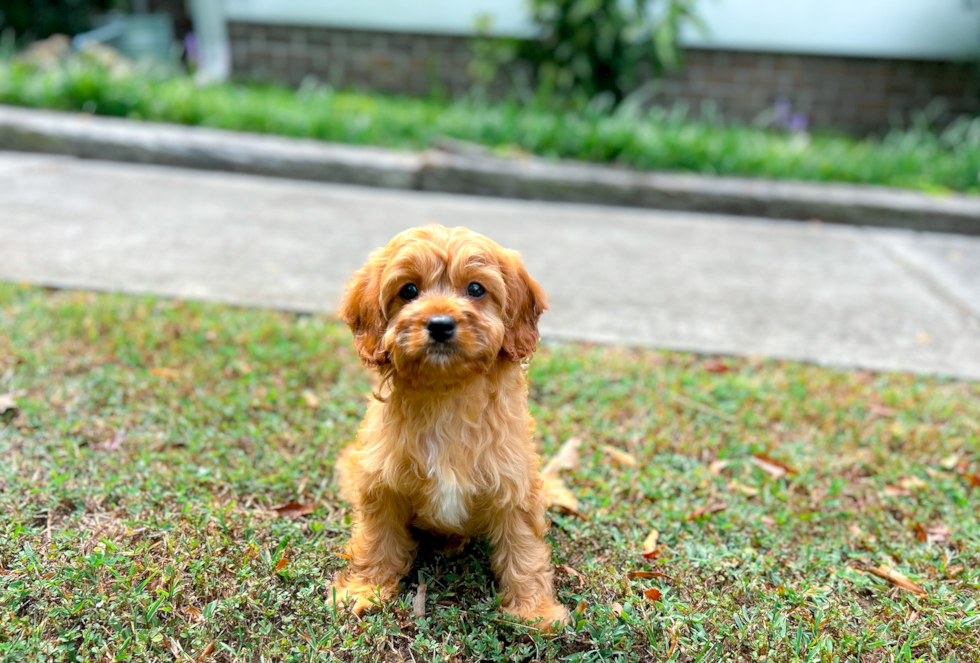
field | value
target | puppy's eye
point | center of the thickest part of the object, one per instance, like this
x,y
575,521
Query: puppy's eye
x,y
409,292
475,290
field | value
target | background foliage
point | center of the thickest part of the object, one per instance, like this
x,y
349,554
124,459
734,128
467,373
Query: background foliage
x,y
594,49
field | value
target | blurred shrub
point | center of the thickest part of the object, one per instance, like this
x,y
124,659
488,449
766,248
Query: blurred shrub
x,y
592,51
37,19
654,139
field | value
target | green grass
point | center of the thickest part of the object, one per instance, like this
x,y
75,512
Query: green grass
x,y
152,436
653,140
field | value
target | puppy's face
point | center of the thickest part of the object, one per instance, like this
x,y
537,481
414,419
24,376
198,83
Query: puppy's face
x,y
439,303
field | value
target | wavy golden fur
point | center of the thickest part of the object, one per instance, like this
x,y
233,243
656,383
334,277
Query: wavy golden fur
x,y
446,445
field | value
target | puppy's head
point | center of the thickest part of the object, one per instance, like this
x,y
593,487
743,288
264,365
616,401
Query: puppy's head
x,y
440,302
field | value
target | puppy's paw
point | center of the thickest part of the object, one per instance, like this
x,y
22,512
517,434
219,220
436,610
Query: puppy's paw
x,y
545,613
346,594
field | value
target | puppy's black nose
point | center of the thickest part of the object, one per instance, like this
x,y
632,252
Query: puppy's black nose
x,y
441,328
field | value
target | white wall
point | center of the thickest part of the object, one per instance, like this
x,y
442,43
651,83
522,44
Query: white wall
x,y
884,28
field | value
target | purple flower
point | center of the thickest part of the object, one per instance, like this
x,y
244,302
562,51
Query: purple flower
x,y
191,47
798,122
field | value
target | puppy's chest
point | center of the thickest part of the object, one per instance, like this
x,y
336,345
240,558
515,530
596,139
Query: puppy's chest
x,y
447,501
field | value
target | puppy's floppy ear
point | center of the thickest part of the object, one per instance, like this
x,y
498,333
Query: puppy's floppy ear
x,y
526,302
361,310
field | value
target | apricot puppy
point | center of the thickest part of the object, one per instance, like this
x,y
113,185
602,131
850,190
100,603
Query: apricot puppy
x,y
446,316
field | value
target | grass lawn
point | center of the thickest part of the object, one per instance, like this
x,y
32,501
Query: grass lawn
x,y
152,437
658,139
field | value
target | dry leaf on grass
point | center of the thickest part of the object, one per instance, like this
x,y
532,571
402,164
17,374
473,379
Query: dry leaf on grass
x,y
204,654
705,509
281,564
736,486
566,458
572,572
650,544
293,509
912,483
165,373
896,491
771,466
972,480
652,594
641,575
620,456
715,366
580,609
114,443
617,609
717,466
935,533
950,462
418,603
896,578
310,399
881,410
560,497
8,402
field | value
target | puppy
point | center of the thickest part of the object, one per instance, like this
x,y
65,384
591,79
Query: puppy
x,y
446,316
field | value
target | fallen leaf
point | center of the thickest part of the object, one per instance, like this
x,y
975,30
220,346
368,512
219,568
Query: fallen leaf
x,y
8,401
114,443
638,575
768,521
652,594
566,458
717,466
204,654
175,648
293,509
311,400
165,373
620,456
935,533
881,410
617,609
949,462
281,564
704,509
192,612
650,544
912,617
896,578
418,603
736,486
912,483
771,466
715,366
896,491
972,479
560,497
580,608
572,572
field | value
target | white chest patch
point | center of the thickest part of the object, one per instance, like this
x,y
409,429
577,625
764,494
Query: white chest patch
x,y
447,504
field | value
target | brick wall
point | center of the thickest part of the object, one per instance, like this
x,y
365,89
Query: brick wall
x,y
857,95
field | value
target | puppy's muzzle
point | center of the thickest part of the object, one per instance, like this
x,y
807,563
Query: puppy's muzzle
x,y
441,328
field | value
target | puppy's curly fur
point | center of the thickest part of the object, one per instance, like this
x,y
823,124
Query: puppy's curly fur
x,y
446,445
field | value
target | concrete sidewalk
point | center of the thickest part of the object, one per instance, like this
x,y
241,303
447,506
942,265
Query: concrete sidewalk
x,y
846,296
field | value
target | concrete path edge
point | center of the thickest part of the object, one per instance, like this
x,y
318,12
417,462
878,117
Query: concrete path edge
x,y
438,170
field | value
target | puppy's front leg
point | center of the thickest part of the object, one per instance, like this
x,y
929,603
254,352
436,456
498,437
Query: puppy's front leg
x,y
381,552
522,562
